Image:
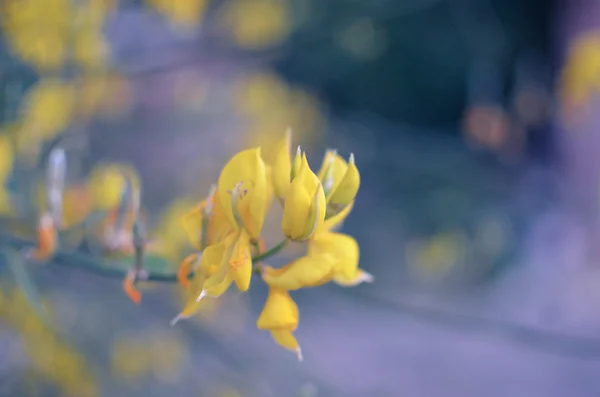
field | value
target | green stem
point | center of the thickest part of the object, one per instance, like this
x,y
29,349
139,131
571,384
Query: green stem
x,y
270,252
99,267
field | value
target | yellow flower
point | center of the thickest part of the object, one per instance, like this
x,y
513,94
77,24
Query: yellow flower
x,y
107,183
48,108
257,24
243,195
90,48
304,208
184,13
280,316
340,180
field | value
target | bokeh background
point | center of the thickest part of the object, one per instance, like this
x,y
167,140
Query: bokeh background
x,y
474,125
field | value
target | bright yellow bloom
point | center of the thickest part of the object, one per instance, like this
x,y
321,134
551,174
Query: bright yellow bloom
x,y
280,316
243,198
304,208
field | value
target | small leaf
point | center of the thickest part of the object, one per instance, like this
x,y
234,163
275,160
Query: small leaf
x,y
17,265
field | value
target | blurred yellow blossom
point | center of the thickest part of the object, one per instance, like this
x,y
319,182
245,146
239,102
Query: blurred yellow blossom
x,y
90,49
48,109
257,23
184,13
107,182
271,106
580,75
437,255
158,355
56,361
6,156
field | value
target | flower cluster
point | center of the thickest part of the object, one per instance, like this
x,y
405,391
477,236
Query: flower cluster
x,y
226,228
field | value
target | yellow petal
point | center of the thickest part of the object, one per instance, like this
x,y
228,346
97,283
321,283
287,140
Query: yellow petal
x,y
286,339
303,211
282,166
342,247
241,262
243,191
346,191
304,272
332,171
216,256
280,311
192,306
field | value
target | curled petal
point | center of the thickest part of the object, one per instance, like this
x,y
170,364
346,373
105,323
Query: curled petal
x,y
185,269
47,239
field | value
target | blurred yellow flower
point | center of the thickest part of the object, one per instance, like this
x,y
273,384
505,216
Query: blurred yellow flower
x,y
57,362
90,49
184,13
437,255
580,75
107,182
48,109
271,106
257,23
6,157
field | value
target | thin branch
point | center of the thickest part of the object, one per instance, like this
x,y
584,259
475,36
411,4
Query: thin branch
x,y
78,260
